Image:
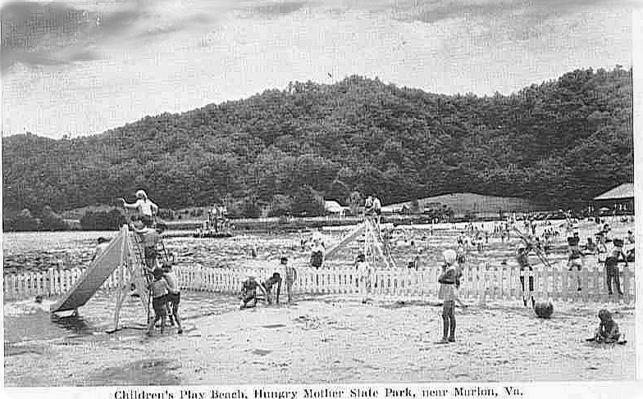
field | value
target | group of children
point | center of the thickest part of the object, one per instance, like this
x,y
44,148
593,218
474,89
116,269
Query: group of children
x,y
165,293
163,282
287,274
166,296
449,279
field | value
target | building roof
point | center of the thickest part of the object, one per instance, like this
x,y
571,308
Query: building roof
x,y
623,191
333,207
395,207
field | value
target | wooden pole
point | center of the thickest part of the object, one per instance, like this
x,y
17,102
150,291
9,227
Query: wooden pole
x,y
120,294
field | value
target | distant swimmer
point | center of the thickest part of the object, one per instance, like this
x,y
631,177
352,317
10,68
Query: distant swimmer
x,y
101,245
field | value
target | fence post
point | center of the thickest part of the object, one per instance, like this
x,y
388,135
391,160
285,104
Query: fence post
x,y
8,286
585,284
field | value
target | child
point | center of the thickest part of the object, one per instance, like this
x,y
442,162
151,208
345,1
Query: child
x,y
159,290
174,294
601,248
575,256
607,331
317,253
268,284
590,246
150,237
249,292
290,275
364,272
102,244
526,269
611,266
448,292
146,208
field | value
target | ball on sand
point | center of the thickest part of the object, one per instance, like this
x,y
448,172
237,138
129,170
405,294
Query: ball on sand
x,y
544,310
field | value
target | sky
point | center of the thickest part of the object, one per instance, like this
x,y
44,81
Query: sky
x,y
81,67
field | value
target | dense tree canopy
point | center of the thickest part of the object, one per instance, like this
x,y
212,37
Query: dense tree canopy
x,y
561,141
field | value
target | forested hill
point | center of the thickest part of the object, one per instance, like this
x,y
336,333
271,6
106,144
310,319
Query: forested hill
x,y
562,141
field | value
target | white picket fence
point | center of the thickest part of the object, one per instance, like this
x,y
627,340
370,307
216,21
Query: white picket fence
x,y
494,283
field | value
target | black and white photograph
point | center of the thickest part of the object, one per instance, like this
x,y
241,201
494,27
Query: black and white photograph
x,y
325,194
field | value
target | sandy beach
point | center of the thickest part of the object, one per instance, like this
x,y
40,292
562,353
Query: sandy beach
x,y
328,339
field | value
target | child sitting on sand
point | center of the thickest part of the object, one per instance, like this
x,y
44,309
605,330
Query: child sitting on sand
x,y
449,282
249,292
607,331
159,290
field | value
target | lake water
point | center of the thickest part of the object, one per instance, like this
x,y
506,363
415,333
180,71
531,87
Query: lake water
x,y
35,251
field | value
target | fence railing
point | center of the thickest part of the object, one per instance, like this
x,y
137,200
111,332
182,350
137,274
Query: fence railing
x,y
478,282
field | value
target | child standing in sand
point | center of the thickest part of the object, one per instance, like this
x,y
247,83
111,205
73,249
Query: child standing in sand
x,y
174,294
611,266
449,294
522,257
575,257
289,276
364,272
159,290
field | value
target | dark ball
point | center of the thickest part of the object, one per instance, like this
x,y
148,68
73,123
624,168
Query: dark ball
x,y
544,310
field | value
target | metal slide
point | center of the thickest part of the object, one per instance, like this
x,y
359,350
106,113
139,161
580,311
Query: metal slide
x,y
342,243
95,275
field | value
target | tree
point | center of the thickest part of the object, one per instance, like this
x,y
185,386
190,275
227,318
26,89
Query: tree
x,y
308,202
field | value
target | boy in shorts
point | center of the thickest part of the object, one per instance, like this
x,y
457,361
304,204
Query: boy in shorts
x,y
526,270
575,256
173,296
289,276
159,290
364,273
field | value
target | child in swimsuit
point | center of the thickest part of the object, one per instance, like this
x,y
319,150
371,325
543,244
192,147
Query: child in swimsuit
x,y
159,290
607,331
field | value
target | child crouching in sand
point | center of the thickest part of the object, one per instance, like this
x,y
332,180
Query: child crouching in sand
x,y
607,331
159,290
449,283
249,292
